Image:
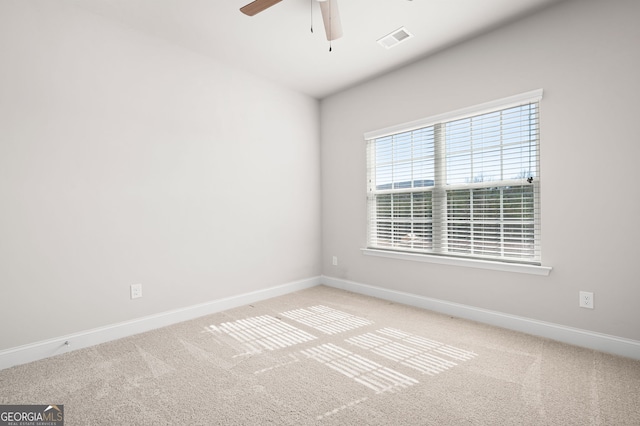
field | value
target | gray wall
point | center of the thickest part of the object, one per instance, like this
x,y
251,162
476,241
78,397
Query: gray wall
x,y
585,56
124,160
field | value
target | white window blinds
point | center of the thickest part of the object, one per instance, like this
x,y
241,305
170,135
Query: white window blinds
x,y
464,184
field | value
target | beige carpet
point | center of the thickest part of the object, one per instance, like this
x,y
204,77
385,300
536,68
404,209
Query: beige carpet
x,y
327,357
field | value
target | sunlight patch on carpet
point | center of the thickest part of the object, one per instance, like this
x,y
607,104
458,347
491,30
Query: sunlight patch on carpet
x,y
429,344
364,371
410,350
326,320
268,333
263,333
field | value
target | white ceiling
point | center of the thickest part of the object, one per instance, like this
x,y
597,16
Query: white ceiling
x,y
277,44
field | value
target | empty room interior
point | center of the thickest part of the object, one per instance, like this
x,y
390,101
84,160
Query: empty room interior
x,y
320,212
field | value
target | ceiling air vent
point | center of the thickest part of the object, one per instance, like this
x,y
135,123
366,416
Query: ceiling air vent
x,y
395,38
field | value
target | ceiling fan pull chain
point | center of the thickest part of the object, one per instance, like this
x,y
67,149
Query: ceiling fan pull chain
x,y
311,16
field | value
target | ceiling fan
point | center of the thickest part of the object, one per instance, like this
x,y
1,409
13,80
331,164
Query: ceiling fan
x,y
328,8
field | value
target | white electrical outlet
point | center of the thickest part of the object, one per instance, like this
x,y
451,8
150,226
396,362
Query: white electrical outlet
x,y
136,291
586,299
335,261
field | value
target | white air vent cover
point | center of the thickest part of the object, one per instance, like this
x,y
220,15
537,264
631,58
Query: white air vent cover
x,y
395,38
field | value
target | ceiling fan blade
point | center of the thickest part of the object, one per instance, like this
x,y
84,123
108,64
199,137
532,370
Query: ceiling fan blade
x,y
331,19
257,6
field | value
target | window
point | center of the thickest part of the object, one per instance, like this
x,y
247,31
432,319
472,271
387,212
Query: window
x,y
464,184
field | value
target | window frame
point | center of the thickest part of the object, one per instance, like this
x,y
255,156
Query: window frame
x,y
533,266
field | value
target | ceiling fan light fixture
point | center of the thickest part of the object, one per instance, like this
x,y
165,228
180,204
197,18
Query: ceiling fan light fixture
x,y
331,19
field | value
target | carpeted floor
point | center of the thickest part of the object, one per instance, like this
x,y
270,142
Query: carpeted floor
x,y
328,357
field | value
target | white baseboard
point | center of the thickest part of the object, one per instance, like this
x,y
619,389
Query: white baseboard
x,y
588,339
574,336
44,349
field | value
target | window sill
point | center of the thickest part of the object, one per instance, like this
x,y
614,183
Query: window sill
x,y
469,263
